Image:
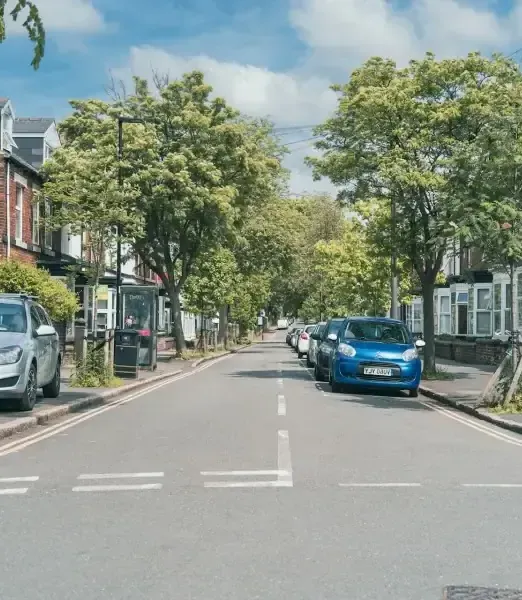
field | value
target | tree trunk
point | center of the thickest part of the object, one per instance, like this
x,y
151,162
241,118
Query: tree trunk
x,y
223,326
177,322
428,289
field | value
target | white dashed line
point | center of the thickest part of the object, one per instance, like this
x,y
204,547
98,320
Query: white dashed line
x,y
281,405
13,491
240,473
117,488
284,459
492,485
18,479
119,475
380,485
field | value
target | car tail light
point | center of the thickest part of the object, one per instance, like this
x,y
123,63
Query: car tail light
x,y
304,336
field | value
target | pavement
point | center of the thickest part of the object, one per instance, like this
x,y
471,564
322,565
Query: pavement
x,y
247,479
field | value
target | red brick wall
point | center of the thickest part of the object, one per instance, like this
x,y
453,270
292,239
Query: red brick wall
x,y
17,252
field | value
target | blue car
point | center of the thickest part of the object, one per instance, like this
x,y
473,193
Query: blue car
x,y
375,352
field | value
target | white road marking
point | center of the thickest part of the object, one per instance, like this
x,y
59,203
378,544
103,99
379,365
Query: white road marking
x,y
492,485
280,382
18,479
474,424
281,405
117,488
241,473
13,491
284,458
247,484
119,475
380,485
53,430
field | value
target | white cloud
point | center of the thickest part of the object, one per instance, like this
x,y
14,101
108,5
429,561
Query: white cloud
x,y
68,16
286,99
340,34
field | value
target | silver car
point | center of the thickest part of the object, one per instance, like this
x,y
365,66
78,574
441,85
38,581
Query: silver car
x,y
315,336
29,351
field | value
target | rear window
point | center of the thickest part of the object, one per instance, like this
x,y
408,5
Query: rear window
x,y
321,328
377,331
310,328
335,326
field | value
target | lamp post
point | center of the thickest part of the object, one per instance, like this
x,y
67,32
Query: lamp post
x,y
121,121
394,312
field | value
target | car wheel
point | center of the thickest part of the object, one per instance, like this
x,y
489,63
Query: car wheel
x,y
52,389
28,400
337,388
414,393
309,363
317,373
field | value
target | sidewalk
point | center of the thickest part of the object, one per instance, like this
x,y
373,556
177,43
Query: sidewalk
x,y
464,390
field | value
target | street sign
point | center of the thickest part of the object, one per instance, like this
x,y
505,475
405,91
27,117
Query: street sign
x,y
260,321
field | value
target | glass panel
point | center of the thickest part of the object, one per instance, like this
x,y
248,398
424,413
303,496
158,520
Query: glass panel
x,y
444,304
471,298
462,298
497,296
453,321
507,319
483,323
519,312
497,322
417,311
508,296
519,285
453,297
470,322
445,324
483,299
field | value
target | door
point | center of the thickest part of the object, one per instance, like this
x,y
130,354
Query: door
x,y
39,348
52,346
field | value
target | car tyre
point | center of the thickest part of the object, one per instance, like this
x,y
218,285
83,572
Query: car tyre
x,y
52,389
414,393
28,400
317,373
309,363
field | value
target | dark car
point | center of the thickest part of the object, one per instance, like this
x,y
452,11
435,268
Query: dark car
x,y
326,347
289,334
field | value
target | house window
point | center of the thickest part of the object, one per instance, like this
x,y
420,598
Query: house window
x,y
445,315
471,315
483,318
497,309
48,232
47,151
417,318
36,224
19,209
507,311
519,300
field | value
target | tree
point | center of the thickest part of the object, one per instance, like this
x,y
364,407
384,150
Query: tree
x,y
32,24
395,136
17,277
210,166
250,295
81,178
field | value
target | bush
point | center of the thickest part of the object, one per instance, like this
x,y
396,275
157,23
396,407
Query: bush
x,y
17,277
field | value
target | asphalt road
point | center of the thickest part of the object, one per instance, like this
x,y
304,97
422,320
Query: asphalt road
x,y
248,480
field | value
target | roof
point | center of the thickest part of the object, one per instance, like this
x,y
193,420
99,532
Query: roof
x,y
3,102
23,163
383,319
36,125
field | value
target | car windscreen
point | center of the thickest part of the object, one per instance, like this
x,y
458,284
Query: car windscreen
x,y
12,318
377,331
320,329
310,328
335,326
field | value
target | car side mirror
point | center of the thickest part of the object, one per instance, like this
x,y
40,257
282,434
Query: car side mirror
x,y
332,337
420,343
45,330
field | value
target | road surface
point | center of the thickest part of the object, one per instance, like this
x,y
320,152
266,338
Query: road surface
x,y
248,480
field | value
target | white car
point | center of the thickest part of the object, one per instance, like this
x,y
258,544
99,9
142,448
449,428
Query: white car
x,y
303,341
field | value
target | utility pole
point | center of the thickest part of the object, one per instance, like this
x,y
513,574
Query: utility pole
x,y
394,307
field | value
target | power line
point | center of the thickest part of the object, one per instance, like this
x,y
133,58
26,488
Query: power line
x,y
315,137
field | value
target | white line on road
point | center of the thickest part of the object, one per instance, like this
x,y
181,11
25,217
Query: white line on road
x,y
280,382
13,491
117,488
473,424
492,485
18,479
53,430
281,405
247,484
119,475
241,473
380,485
284,458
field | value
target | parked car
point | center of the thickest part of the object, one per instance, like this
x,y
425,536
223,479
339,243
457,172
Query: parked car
x,y
30,356
315,336
282,323
291,331
295,337
375,352
326,346
303,341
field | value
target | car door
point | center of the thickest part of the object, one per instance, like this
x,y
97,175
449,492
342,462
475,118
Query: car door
x,y
40,345
52,346
328,346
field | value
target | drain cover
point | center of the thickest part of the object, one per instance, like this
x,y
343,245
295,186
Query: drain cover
x,y
457,592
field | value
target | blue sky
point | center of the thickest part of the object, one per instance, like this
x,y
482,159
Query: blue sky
x,y
273,58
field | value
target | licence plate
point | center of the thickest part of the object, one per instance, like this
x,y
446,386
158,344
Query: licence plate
x,y
377,371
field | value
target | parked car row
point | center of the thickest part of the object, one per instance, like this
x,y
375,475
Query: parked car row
x,y
370,352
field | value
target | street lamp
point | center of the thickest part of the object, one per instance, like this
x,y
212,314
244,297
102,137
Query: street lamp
x,y
121,121
394,308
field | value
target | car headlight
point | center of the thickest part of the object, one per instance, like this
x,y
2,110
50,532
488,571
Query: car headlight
x,y
410,354
10,355
346,350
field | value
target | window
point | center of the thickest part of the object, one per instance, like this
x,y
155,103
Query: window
x,y
497,308
12,318
377,331
519,300
19,210
35,319
507,311
417,318
36,223
48,232
445,315
483,323
47,151
44,319
471,315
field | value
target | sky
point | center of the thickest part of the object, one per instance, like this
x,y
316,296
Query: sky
x,y
270,58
